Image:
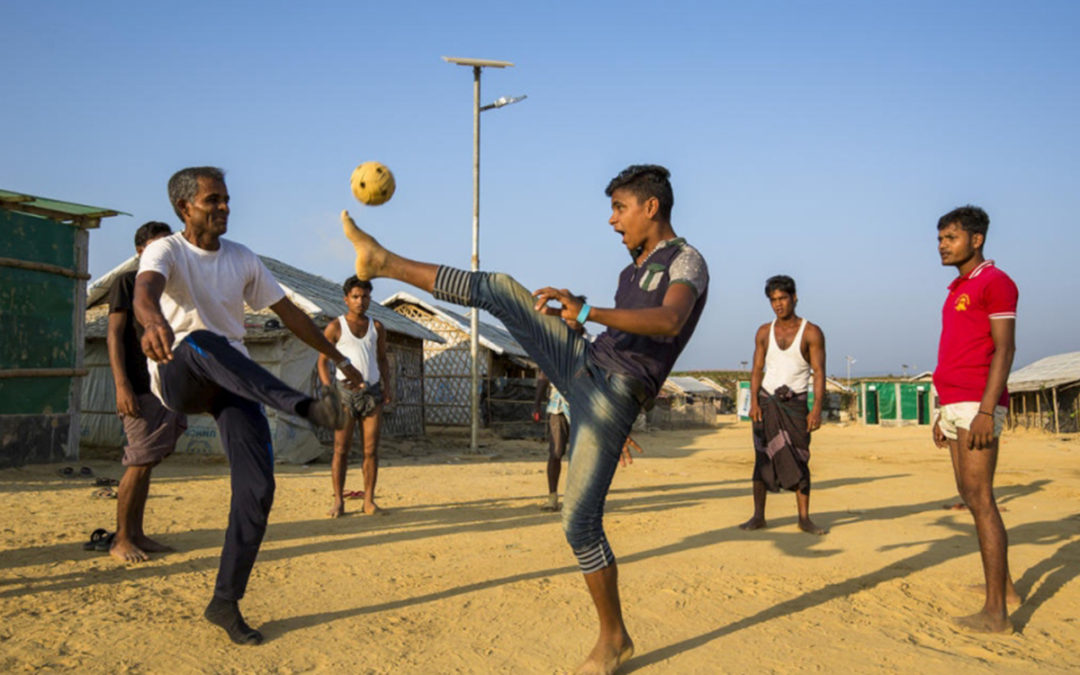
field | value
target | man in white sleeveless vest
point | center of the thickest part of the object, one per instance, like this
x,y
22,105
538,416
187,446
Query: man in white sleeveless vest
x,y
363,341
786,351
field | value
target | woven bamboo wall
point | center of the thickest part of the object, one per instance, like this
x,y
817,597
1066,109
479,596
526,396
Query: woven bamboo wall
x,y
447,376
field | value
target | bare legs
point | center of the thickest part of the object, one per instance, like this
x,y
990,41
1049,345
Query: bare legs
x,y
371,426
130,543
370,429
802,501
339,465
757,521
614,646
974,471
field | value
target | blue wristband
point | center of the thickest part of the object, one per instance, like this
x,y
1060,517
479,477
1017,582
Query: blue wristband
x,y
583,315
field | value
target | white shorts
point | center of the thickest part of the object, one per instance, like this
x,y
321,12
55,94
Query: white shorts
x,y
959,416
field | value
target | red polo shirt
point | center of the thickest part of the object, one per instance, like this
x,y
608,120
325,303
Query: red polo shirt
x,y
975,299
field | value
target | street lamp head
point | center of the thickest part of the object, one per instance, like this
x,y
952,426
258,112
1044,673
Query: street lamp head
x,y
503,101
477,63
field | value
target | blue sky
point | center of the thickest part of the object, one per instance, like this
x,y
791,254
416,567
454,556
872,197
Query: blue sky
x,y
816,139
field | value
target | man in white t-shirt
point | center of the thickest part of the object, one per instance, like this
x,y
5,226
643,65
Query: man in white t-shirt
x,y
189,296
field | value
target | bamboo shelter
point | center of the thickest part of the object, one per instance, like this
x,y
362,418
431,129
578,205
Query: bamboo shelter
x,y
1046,394
447,375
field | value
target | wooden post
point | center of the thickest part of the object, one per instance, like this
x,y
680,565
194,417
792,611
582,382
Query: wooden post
x,y
1038,408
1057,426
1012,419
1027,422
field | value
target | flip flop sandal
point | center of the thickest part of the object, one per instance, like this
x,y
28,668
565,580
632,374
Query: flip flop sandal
x,y
103,481
66,472
104,493
100,540
355,494
86,472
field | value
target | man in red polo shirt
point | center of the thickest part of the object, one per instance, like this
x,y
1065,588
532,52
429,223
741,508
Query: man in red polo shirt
x,y
978,329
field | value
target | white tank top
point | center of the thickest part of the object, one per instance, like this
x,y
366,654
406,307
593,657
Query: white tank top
x,y
786,366
363,352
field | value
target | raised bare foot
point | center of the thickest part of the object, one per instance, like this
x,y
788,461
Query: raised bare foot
x,y
1012,598
150,546
125,550
754,523
606,657
337,510
985,623
809,527
371,257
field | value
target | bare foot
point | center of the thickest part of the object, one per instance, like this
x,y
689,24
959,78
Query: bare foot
x,y
1012,598
337,510
754,523
606,657
371,257
150,546
126,551
809,527
372,509
985,623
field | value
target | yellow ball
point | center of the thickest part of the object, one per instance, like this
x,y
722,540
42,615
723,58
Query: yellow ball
x,y
372,183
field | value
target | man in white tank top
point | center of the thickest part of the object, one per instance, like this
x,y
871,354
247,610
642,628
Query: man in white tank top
x,y
363,341
786,352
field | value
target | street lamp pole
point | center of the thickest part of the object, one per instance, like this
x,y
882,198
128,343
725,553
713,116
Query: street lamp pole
x,y
474,315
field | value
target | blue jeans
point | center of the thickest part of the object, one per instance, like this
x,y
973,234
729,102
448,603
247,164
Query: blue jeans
x,y
603,405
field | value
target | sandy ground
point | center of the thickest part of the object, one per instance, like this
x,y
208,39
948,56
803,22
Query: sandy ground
x,y
465,574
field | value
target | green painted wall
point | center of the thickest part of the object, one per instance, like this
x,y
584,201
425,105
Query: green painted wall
x,y
36,310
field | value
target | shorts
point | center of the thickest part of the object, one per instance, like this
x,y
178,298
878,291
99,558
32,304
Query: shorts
x,y
959,415
360,403
151,436
558,435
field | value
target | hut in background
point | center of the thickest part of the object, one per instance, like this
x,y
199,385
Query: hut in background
x,y
506,371
44,245
684,402
275,348
896,402
1046,394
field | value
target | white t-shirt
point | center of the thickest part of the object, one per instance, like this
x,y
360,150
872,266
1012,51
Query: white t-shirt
x,y
206,290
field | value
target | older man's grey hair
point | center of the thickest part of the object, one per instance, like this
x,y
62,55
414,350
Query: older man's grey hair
x,y
184,184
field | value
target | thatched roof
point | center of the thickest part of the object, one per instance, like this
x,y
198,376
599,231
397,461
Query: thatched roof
x,y
1046,373
320,298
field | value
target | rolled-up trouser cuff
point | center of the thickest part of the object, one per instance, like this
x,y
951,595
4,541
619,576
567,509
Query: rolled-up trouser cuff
x,y
595,557
453,285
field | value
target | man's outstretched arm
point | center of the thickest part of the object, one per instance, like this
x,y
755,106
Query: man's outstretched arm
x,y
666,320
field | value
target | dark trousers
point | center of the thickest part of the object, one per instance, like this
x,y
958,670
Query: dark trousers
x,y
207,375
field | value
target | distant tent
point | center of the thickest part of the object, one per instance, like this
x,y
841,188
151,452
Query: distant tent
x,y
276,349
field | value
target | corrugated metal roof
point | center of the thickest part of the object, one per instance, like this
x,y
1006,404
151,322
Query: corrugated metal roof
x,y
690,385
1046,373
83,214
495,338
317,296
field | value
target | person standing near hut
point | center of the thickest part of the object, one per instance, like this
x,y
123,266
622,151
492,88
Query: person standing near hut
x,y
151,429
363,341
785,352
978,340
189,296
659,300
